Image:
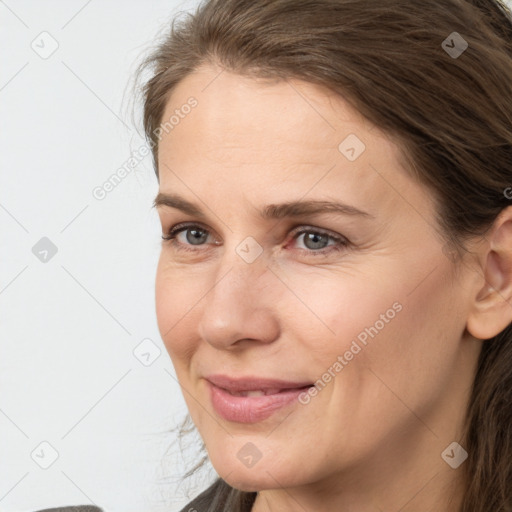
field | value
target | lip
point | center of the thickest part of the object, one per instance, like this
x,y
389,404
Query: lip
x,y
253,383
252,409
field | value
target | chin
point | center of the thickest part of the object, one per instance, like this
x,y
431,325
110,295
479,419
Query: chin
x,y
257,481
258,478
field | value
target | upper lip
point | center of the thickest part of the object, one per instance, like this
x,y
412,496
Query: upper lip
x,y
253,383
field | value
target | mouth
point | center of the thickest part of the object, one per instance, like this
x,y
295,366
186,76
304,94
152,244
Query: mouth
x,y
257,386
250,400
264,392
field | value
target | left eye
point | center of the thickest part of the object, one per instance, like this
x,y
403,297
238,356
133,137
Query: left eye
x,y
314,239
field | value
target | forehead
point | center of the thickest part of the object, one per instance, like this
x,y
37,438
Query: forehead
x,y
250,114
279,139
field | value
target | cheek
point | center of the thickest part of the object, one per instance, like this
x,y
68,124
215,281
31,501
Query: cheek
x,y
337,311
409,340
389,325
176,296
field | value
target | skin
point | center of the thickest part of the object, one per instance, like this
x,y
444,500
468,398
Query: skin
x,y
372,438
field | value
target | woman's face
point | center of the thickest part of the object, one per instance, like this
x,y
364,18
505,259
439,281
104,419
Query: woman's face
x,y
361,301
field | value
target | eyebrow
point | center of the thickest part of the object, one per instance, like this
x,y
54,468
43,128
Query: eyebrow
x,y
270,211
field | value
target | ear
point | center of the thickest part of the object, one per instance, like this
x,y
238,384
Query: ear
x,y
491,310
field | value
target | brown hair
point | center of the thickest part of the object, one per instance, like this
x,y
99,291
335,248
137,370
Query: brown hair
x,y
450,114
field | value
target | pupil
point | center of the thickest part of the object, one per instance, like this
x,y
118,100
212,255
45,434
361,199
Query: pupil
x,y
195,238
311,236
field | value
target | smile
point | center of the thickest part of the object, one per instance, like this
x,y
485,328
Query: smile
x,y
251,405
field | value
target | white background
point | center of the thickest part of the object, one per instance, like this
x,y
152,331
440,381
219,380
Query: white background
x,y
69,326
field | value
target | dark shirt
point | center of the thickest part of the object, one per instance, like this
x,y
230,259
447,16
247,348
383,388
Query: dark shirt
x,y
77,508
220,497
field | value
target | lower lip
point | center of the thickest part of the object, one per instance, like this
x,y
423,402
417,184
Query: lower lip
x,y
250,409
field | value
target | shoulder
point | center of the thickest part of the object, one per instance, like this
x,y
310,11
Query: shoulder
x,y
76,508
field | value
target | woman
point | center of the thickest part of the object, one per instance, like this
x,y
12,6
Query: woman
x,y
335,277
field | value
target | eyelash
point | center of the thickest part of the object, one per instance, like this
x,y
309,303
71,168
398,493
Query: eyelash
x,y
341,241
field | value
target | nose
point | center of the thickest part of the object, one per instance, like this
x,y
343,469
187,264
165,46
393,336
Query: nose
x,y
241,306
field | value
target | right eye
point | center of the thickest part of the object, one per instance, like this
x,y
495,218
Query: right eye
x,y
196,235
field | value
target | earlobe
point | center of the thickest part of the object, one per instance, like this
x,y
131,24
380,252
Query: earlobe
x,y
491,311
